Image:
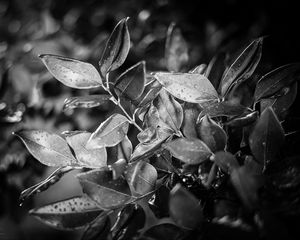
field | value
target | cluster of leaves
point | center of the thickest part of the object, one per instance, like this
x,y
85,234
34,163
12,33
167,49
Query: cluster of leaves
x,y
209,144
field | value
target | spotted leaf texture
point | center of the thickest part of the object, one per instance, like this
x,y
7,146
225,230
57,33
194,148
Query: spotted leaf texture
x,y
189,87
112,131
71,72
89,101
190,151
49,148
72,213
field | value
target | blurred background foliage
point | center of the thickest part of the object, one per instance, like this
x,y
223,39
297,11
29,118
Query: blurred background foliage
x,y
31,99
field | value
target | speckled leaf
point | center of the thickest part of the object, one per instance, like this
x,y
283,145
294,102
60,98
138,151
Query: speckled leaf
x,y
72,213
107,192
49,148
215,69
243,67
116,49
226,161
71,72
267,137
211,134
112,131
90,158
274,81
131,83
176,50
191,113
189,87
185,208
141,177
89,101
192,151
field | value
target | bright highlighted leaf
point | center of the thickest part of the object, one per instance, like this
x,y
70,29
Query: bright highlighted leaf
x,y
267,137
89,101
100,186
189,87
192,151
176,50
141,177
185,208
109,133
72,213
90,158
49,148
116,49
71,72
131,83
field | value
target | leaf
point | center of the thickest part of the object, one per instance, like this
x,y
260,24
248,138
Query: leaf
x,y
116,49
98,229
90,158
107,192
49,148
147,135
89,101
276,80
131,83
125,149
72,213
222,109
176,50
267,137
184,208
189,87
166,231
243,120
170,111
190,151
226,161
112,131
141,177
200,69
191,113
215,69
71,72
211,134
243,67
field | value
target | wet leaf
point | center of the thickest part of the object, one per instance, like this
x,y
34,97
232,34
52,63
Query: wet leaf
x,y
112,131
90,158
191,113
267,137
226,161
166,231
185,208
49,148
243,67
274,81
98,229
141,177
72,213
190,151
215,69
189,87
71,72
89,101
107,192
176,50
131,83
116,49
212,134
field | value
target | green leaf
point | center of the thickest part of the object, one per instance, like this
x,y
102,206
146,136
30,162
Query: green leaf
x,y
98,229
267,137
211,134
147,135
90,158
274,81
184,208
116,49
189,87
243,67
170,111
131,83
176,50
191,113
71,72
107,192
49,148
141,177
72,213
125,149
112,131
215,69
190,151
89,101
226,161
